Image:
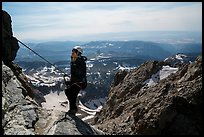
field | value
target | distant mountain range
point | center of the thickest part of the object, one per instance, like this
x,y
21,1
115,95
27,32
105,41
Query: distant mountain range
x,y
58,51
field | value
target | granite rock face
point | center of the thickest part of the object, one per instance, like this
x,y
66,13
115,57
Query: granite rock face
x,y
171,106
9,43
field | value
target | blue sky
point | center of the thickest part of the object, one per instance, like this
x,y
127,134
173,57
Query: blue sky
x,y
45,21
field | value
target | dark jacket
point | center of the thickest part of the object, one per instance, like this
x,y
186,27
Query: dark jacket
x,y
78,70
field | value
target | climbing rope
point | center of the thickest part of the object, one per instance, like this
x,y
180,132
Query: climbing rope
x,y
37,54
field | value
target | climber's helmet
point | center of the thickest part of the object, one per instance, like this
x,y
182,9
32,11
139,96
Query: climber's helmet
x,y
79,49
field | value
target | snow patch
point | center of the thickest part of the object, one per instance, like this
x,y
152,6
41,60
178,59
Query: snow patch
x,y
124,68
161,74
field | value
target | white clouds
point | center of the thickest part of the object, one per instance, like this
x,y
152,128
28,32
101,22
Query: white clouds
x,y
50,20
182,18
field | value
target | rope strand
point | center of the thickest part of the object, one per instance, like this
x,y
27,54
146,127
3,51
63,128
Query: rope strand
x,y
36,53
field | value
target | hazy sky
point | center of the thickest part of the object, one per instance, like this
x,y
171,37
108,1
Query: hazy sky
x,y
42,21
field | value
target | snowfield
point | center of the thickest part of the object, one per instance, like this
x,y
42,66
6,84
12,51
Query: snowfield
x,y
58,101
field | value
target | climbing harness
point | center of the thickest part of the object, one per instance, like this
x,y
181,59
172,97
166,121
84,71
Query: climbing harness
x,y
68,83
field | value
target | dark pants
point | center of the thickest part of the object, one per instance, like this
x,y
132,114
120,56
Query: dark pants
x,y
72,93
